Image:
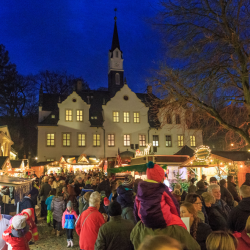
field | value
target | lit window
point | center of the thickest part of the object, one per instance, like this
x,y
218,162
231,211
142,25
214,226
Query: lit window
x,y
111,140
180,140
79,115
53,116
96,140
66,140
177,119
51,159
168,141
117,79
126,140
115,116
142,140
155,140
50,140
192,141
81,140
125,116
93,117
68,115
136,117
169,119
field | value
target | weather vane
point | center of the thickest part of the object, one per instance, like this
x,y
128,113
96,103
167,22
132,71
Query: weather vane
x,y
115,14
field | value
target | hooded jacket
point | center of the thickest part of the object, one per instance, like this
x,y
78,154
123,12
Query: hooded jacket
x,y
48,202
57,207
155,205
16,243
243,241
238,216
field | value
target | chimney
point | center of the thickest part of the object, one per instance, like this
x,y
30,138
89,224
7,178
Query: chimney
x,y
79,86
149,89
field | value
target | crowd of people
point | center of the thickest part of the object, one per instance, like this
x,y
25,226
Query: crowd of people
x,y
130,214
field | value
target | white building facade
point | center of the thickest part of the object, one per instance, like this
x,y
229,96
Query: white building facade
x,y
98,123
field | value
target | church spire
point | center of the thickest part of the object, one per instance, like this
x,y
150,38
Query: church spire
x,y
115,41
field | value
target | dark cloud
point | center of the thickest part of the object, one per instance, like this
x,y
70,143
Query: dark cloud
x,y
76,35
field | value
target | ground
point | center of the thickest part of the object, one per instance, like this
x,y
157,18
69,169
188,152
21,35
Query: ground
x,y
49,241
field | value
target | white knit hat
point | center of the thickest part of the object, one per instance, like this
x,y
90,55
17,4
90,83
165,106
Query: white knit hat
x,y
19,222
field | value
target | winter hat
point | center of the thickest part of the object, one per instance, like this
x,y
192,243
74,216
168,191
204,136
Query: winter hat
x,y
106,201
19,222
155,172
69,204
114,209
200,184
128,181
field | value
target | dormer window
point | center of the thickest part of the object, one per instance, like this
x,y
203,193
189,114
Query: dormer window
x,y
116,54
117,79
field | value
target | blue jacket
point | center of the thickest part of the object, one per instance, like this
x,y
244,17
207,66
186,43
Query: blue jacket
x,y
48,202
68,219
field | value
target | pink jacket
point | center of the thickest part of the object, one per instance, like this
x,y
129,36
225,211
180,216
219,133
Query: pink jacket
x,y
68,219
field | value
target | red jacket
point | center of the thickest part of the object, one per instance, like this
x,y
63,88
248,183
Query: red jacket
x,y
17,243
89,229
243,241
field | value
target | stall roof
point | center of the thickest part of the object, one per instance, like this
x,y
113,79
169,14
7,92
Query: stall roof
x,y
2,160
41,163
16,163
233,155
13,181
185,151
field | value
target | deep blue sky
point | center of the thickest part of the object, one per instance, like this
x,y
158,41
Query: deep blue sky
x,y
76,35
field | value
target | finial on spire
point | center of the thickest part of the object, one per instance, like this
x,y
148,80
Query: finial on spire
x,y
115,14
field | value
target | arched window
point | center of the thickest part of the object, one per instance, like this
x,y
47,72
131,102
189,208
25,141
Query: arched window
x,y
117,79
116,54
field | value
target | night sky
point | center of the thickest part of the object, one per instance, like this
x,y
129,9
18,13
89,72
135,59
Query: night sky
x,y
76,35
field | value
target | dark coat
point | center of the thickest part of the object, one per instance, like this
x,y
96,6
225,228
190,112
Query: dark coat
x,y
34,194
200,191
44,192
226,196
115,234
26,203
203,231
218,215
238,216
104,186
232,189
78,187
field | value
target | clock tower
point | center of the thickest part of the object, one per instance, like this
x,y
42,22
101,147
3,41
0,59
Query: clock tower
x,y
115,66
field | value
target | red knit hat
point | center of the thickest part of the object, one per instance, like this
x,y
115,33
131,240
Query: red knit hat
x,y
155,172
106,201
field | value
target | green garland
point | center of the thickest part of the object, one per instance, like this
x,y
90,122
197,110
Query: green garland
x,y
138,168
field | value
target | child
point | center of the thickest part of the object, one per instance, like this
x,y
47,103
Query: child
x,y
48,203
57,207
17,236
68,222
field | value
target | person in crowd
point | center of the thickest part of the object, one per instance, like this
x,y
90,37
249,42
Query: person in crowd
x,y
208,199
48,204
89,223
26,202
44,193
221,240
239,214
79,184
63,176
50,182
71,190
68,222
104,186
60,186
157,211
17,235
65,194
200,187
84,202
198,230
126,198
93,184
244,237
203,178
177,194
57,208
136,183
115,234
213,180
247,181
160,242
225,194
196,200
56,182
4,224
34,192
231,186
218,213
192,188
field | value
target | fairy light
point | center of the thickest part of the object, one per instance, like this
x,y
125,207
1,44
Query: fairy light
x,y
204,151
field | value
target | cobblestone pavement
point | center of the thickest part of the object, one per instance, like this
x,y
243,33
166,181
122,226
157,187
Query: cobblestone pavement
x,y
49,241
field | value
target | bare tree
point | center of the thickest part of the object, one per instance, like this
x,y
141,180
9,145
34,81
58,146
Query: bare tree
x,y
210,40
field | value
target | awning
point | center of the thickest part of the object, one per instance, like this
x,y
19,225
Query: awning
x,y
138,168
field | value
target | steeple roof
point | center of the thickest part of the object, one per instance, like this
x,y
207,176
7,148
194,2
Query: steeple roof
x,y
115,41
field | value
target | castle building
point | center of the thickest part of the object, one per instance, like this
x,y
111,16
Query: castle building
x,y
98,123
